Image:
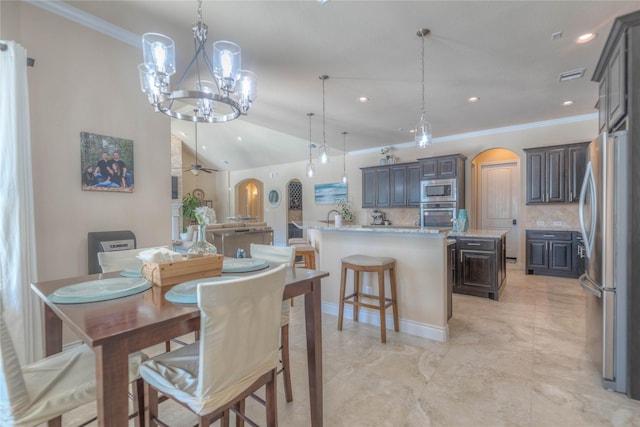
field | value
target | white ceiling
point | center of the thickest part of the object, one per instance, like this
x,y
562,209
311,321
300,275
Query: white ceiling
x,y
501,52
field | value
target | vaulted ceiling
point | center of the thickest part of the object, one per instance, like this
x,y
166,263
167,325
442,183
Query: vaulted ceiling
x,y
502,52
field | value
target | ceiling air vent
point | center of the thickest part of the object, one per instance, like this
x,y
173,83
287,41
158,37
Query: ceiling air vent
x,y
573,74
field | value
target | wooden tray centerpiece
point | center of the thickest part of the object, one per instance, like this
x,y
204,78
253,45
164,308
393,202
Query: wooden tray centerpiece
x,y
170,273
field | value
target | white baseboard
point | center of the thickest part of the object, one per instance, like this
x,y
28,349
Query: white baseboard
x,y
370,317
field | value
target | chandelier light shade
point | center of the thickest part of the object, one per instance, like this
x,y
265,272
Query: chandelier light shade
x,y
226,92
345,176
324,151
311,169
423,128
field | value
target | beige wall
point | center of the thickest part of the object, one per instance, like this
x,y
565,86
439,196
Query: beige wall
x,y
85,81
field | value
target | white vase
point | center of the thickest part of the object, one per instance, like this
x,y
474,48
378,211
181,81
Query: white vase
x,y
338,220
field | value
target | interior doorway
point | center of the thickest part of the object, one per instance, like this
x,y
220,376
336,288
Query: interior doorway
x,y
294,208
249,200
498,195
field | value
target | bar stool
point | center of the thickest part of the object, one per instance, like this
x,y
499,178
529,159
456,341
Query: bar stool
x,y
308,254
370,264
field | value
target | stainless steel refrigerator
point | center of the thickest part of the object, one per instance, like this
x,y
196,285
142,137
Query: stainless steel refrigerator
x,y
604,219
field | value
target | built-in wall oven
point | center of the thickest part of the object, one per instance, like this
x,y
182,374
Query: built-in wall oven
x,y
438,202
436,214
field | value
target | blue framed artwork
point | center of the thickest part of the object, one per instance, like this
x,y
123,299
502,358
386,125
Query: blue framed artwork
x,y
331,193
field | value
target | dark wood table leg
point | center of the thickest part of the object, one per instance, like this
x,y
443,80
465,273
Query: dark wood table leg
x,y
52,344
112,375
313,319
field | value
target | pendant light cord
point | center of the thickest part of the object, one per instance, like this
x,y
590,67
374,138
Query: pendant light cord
x,y
309,115
344,151
423,104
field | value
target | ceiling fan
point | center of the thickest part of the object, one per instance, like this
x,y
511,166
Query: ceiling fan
x,y
196,168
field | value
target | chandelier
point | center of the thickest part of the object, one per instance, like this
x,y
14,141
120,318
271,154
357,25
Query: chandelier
x,y
221,95
423,128
324,151
311,168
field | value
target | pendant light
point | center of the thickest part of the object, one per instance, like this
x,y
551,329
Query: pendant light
x,y
345,177
311,169
423,128
324,151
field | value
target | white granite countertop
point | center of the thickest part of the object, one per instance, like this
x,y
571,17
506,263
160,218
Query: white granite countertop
x,y
485,234
391,229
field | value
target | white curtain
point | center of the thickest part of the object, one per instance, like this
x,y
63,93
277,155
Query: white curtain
x,y
17,231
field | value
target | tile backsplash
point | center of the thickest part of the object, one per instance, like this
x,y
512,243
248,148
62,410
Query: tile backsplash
x,y
552,216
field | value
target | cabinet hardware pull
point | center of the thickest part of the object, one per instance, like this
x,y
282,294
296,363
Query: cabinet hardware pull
x,y
474,244
549,235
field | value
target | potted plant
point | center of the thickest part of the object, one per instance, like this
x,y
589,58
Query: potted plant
x,y
344,207
189,205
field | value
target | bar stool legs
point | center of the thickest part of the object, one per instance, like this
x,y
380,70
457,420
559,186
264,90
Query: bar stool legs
x,y
364,263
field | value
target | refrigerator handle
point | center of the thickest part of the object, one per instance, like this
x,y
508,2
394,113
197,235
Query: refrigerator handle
x,y
588,285
586,182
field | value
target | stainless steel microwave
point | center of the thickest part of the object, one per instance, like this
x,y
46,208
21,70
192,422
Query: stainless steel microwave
x,y
438,190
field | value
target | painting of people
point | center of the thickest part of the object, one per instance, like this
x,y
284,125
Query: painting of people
x,y
106,163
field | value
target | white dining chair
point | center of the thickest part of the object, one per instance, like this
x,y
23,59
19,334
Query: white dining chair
x,y
283,255
237,353
122,260
49,388
127,260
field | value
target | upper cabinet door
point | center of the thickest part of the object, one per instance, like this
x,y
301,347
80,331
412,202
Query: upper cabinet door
x,y
369,193
556,178
398,186
536,177
429,168
447,167
617,90
414,175
578,158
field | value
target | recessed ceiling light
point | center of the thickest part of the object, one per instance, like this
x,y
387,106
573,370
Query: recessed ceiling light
x,y
473,99
239,138
363,99
585,38
567,103
204,147
556,36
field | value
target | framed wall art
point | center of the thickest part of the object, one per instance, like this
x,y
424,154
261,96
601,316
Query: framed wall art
x,y
331,193
106,163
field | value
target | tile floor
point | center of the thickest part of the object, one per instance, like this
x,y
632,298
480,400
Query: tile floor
x,y
516,362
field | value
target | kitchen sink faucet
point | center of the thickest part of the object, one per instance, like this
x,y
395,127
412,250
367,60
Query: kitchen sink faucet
x,y
329,214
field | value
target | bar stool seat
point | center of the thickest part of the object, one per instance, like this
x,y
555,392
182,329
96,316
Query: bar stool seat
x,y
370,264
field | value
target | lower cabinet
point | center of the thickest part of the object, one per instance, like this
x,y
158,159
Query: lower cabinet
x,y
451,276
551,253
481,268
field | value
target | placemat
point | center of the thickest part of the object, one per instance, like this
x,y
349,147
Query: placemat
x,y
99,290
187,292
243,265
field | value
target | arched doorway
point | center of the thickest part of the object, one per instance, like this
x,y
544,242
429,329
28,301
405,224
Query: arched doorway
x,y
496,181
294,208
249,199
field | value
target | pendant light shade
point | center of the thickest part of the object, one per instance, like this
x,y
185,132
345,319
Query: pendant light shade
x,y
423,136
345,177
311,169
324,150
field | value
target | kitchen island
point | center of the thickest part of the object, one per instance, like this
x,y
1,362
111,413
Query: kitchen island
x,y
421,273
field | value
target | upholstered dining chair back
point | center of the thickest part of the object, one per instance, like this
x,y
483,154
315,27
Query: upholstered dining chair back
x,y
48,388
121,260
276,254
239,342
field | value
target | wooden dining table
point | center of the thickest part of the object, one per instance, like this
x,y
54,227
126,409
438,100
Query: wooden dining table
x,y
116,328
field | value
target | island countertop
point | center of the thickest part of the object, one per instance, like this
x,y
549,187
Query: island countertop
x,y
392,229
403,229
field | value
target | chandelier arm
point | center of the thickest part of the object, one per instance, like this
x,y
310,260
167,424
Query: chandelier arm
x,y
193,60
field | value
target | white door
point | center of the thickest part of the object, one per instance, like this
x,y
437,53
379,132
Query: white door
x,y
499,200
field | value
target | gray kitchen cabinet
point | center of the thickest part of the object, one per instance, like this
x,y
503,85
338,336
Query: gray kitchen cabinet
x,y
554,174
405,184
613,92
442,167
391,186
451,275
376,187
481,268
550,253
